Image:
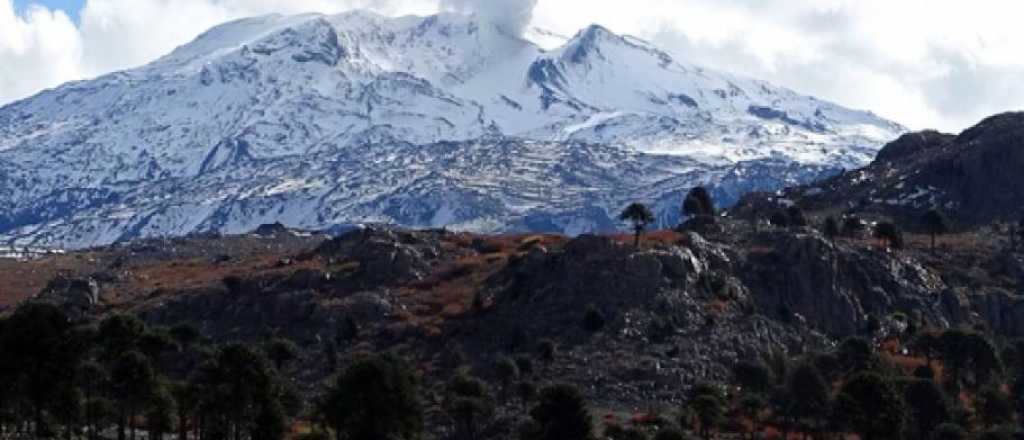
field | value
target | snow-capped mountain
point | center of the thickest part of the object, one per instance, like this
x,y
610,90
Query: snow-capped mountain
x,y
445,120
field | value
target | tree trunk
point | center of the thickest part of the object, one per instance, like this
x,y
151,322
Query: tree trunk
x,y
182,426
131,424
120,425
636,238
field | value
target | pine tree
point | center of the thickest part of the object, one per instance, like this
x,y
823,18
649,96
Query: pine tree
x,y
936,224
561,414
831,229
698,203
375,398
809,395
640,216
926,406
871,406
889,235
469,403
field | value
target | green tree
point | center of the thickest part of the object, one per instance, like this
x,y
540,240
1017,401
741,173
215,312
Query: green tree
x,y
968,354
160,412
949,431
507,372
692,207
698,202
547,350
926,406
134,383
527,392
618,432
281,351
889,235
120,333
955,356
751,406
156,342
271,422
796,216
92,379
669,434
469,403
993,407
640,216
871,407
561,414
239,385
936,223
753,376
856,354
831,229
186,398
810,395
853,226
375,398
709,411
984,364
593,319
185,335
1017,392
927,344
40,355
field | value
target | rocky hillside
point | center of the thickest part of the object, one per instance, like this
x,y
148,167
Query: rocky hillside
x,y
974,178
632,327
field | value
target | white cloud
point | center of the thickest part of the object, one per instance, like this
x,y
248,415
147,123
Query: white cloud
x,y
925,63
37,50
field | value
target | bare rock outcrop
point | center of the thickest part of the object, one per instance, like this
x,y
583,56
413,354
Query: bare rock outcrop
x,y
837,289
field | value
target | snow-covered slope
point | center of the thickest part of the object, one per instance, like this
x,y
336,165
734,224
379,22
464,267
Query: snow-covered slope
x,y
424,121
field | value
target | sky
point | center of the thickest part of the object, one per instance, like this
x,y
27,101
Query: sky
x,y
942,64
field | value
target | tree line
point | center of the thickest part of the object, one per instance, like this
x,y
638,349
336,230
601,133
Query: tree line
x,y
119,378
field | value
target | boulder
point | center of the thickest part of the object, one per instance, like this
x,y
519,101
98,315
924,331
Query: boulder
x,y
76,296
271,230
589,247
385,256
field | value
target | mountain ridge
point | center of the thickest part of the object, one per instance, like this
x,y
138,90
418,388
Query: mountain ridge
x,y
234,121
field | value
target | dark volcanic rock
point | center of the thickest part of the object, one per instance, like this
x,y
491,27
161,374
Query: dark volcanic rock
x,y
975,178
385,256
912,144
838,289
77,296
270,230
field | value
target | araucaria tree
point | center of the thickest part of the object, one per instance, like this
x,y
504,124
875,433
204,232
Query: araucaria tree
x,y
640,216
698,203
889,235
936,224
375,398
560,414
469,404
871,406
831,229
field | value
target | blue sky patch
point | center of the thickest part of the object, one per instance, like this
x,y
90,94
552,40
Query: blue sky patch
x,y
71,7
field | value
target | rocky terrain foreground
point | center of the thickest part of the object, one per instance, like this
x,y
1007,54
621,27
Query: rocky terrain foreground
x,y
679,310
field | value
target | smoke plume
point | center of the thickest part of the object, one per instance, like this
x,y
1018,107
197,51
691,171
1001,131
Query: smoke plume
x,y
512,16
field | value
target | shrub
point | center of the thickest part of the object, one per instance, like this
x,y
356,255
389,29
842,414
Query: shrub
x,y
593,319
